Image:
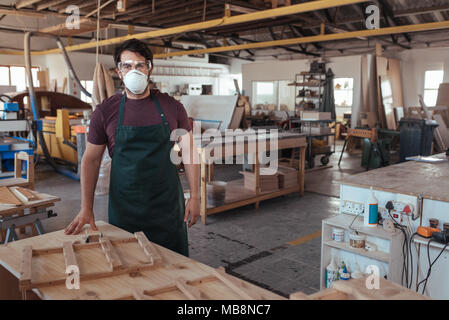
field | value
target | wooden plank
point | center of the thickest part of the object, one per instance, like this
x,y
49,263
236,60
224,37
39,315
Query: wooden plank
x,y
191,292
69,255
203,187
7,197
115,263
25,266
236,285
25,195
149,249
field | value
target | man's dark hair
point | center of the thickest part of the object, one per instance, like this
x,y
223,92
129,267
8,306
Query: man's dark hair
x,y
133,45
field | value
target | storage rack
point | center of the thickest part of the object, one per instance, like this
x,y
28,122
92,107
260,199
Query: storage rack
x,y
303,83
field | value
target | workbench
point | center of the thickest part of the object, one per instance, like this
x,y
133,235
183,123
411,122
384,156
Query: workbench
x,y
236,194
29,213
423,186
174,278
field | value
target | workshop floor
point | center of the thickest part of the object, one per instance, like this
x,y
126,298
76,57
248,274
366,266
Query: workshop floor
x,y
276,247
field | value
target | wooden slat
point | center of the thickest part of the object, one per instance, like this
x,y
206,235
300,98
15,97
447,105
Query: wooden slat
x,y
115,263
25,267
139,294
149,249
236,285
191,292
25,195
69,254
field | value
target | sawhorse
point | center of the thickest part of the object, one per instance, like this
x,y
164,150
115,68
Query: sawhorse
x,y
370,134
10,223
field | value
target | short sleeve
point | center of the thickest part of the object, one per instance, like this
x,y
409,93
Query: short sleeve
x,y
182,117
97,132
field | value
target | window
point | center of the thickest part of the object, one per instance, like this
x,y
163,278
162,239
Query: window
x,y
16,76
432,82
273,95
89,86
343,92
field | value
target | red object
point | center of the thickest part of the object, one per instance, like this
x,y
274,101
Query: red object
x,y
407,210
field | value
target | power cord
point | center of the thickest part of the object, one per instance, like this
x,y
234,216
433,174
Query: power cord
x,y
430,265
405,248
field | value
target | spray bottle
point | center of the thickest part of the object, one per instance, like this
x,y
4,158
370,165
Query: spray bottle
x,y
371,211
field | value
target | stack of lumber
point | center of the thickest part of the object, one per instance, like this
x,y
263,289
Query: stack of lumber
x,y
267,180
16,196
288,177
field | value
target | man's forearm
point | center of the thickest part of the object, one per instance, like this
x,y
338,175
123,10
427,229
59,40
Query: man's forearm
x,y
193,176
89,178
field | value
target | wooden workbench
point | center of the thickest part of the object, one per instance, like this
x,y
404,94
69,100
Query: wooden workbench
x,y
431,180
236,194
158,281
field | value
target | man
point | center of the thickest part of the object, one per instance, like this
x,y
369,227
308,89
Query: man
x,y
145,191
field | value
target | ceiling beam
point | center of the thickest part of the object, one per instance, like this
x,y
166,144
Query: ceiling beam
x,y
23,13
225,21
25,3
321,38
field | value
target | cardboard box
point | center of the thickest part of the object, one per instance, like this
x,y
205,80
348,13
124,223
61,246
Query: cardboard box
x,y
315,115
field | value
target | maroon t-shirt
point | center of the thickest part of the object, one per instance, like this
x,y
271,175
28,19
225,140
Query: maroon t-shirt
x,y
138,113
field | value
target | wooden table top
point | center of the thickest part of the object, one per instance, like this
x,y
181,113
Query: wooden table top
x,y
119,286
431,180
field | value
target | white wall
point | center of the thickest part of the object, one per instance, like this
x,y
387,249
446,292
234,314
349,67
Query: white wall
x,y
414,64
343,67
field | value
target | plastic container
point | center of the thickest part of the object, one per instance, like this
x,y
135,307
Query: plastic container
x,y
216,193
331,273
338,235
357,241
371,217
416,137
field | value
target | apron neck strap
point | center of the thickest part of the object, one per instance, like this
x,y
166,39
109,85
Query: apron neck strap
x,y
156,102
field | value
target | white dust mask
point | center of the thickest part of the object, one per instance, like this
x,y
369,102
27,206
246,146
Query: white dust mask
x,y
136,81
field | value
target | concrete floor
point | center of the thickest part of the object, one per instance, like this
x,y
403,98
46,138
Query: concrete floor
x,y
276,247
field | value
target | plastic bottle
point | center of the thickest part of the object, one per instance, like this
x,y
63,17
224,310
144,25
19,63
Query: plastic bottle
x,y
371,211
331,273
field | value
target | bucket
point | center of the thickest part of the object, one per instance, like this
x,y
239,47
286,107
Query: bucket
x,y
216,193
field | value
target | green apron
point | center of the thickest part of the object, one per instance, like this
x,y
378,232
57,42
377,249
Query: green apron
x,y
145,191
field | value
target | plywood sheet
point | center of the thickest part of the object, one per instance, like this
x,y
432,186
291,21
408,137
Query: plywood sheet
x,y
443,95
218,108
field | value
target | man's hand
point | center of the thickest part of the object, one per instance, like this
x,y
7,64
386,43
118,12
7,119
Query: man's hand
x,y
192,210
84,217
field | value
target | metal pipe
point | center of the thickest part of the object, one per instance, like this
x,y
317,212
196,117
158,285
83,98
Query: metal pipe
x,y
33,101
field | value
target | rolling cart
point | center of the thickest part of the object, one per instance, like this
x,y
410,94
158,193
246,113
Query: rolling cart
x,y
316,130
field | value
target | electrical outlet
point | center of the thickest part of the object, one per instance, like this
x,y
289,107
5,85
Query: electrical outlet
x,y
351,207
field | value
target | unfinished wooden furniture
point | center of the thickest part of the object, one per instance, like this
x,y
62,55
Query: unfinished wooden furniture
x,y
118,265
29,209
356,289
28,182
236,193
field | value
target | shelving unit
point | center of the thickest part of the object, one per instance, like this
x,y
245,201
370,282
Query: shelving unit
x,y
304,83
388,256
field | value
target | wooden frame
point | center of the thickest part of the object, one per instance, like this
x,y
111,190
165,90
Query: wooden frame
x,y
116,265
19,157
246,197
191,292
